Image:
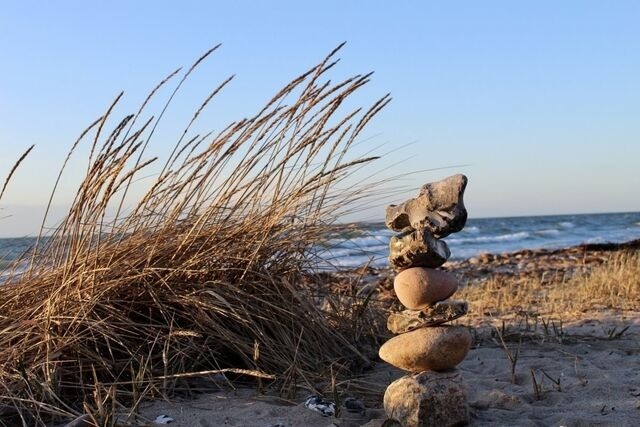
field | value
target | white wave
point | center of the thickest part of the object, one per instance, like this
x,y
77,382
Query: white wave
x,y
359,242
464,253
471,230
597,239
11,269
566,224
521,235
549,232
367,252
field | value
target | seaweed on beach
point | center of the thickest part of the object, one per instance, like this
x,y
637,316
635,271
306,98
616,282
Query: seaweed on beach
x,y
202,275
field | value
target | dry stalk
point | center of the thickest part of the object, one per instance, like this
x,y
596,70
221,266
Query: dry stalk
x,y
13,169
537,386
512,356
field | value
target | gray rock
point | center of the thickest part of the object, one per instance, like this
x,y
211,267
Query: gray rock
x,y
438,208
428,399
427,349
354,405
417,248
441,312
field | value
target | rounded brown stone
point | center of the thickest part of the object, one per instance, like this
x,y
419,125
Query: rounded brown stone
x,y
418,287
427,349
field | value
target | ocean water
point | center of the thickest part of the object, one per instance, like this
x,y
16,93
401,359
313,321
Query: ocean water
x,y
12,248
368,242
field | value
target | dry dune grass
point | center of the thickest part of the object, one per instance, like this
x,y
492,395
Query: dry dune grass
x,y
203,275
614,284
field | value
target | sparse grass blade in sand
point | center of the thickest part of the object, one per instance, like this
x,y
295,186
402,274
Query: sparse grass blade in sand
x,y
206,267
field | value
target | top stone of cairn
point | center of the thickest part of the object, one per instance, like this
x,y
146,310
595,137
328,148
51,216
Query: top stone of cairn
x,y
439,208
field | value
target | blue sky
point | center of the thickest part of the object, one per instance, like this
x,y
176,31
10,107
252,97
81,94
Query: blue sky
x,y
541,100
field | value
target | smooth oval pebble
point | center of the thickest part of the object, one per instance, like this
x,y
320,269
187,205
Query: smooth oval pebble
x,y
427,349
418,287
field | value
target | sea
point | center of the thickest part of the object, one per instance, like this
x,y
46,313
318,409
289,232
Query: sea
x,y
367,243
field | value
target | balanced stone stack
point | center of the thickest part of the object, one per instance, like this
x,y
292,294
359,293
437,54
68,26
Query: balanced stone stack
x,y
434,393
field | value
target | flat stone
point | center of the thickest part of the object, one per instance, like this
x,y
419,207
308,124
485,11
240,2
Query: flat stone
x,y
437,314
417,288
438,208
427,349
428,399
417,248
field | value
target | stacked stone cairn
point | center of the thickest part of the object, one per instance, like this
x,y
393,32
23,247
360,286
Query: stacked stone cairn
x,y
434,394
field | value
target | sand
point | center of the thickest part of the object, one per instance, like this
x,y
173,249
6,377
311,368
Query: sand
x,y
586,377
586,370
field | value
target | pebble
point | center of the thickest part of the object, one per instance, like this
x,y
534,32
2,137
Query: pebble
x,y
441,312
427,349
354,405
418,288
474,260
416,248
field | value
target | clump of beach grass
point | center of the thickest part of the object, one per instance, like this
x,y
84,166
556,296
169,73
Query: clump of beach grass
x,y
613,285
202,275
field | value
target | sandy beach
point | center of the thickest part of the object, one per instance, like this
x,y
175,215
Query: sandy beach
x,y
585,378
283,214
572,369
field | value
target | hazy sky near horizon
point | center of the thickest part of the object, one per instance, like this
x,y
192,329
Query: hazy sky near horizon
x,y
538,103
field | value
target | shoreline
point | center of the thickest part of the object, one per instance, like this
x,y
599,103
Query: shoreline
x,y
559,263
546,265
